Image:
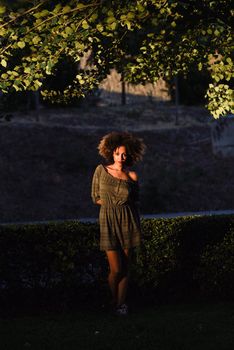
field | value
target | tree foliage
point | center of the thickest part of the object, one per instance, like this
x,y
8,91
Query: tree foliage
x,y
144,39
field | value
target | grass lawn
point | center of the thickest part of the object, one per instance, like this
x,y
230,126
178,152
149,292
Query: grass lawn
x,y
183,326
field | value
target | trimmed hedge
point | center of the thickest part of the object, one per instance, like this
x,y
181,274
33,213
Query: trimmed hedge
x,y
179,256
46,255
188,255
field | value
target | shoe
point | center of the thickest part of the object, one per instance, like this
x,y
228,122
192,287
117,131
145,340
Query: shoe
x,y
122,310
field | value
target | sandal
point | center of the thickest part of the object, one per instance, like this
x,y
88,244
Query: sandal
x,y
122,310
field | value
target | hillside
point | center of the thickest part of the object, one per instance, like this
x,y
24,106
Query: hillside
x,y
47,165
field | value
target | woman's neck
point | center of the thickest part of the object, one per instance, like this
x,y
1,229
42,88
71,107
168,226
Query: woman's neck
x,y
117,167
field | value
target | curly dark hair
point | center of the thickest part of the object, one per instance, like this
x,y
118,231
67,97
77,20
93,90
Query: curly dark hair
x,y
135,146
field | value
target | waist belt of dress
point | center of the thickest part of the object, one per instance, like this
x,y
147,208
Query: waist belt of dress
x,y
116,205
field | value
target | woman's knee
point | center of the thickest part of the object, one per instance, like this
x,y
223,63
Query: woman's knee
x,y
115,274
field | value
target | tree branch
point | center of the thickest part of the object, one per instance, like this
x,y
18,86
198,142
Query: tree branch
x,y
61,14
23,14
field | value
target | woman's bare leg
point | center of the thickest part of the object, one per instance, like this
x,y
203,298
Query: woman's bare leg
x,y
114,259
123,282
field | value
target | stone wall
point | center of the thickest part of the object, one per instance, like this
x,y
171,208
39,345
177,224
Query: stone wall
x,y
222,135
111,89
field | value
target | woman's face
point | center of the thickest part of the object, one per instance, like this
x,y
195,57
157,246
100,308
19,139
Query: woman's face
x,y
120,155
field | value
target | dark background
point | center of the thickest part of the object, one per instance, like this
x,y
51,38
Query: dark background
x,y
48,157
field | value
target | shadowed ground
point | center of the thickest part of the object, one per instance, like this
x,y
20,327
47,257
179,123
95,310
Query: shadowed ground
x,y
165,327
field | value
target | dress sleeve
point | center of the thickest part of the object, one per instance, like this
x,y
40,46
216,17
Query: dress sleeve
x,y
95,194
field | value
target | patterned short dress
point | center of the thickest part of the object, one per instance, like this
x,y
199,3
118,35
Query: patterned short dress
x,y
119,219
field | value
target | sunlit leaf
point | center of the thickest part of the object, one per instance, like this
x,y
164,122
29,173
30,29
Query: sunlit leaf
x,y
3,62
21,44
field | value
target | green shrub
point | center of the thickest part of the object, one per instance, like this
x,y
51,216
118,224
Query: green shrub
x,y
216,269
172,250
47,255
178,257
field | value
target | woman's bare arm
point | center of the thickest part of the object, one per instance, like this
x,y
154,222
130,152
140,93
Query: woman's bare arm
x,y
133,175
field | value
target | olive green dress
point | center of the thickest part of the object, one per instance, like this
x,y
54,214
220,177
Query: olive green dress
x,y
119,219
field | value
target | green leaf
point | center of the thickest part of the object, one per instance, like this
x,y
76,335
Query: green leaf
x,y
66,9
100,27
93,17
37,84
44,13
112,26
110,13
27,83
27,70
16,85
85,24
57,8
80,6
3,62
48,68
2,10
14,73
130,15
128,24
200,66
4,76
140,8
21,44
69,30
79,46
110,20
36,40
2,31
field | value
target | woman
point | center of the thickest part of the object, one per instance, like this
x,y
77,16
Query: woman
x,y
115,189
